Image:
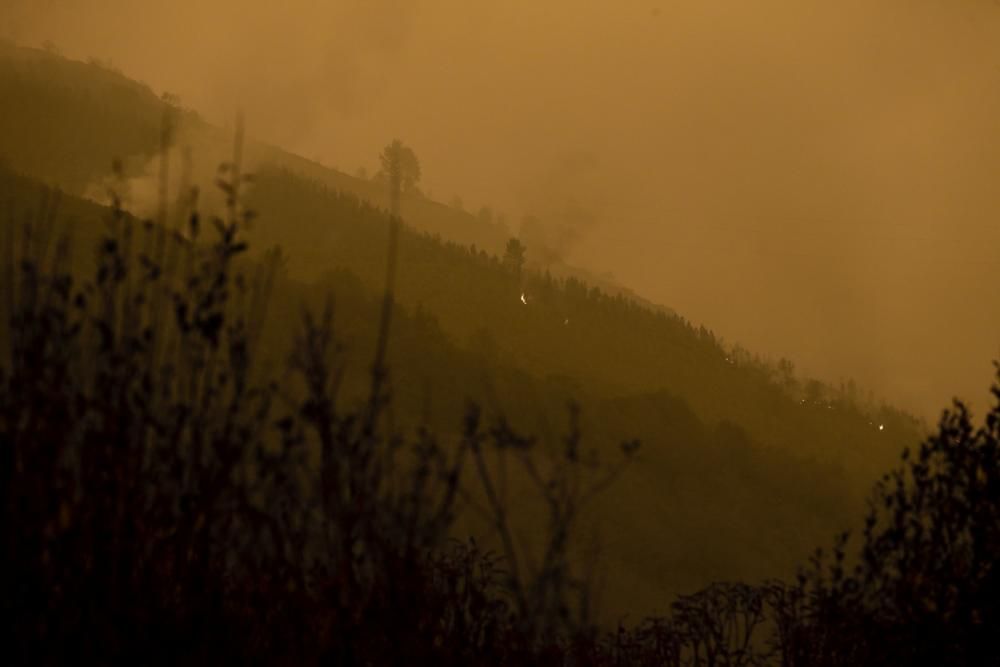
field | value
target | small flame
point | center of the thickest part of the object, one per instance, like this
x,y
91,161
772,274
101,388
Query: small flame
x,y
523,300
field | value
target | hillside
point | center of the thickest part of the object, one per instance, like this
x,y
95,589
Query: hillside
x,y
606,343
736,451
695,490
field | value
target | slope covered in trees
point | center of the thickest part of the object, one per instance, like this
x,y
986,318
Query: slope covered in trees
x,y
698,487
564,328
168,494
736,451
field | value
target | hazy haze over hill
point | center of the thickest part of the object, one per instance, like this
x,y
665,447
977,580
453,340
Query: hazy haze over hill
x,y
810,179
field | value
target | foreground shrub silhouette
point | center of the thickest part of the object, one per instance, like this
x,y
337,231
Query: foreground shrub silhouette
x,y
925,588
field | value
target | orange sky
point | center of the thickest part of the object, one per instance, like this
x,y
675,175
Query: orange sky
x,y
814,180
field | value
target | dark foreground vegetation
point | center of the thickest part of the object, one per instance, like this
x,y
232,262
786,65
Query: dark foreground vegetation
x,y
167,498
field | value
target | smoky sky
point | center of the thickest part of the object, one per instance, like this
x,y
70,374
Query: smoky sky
x,y
809,179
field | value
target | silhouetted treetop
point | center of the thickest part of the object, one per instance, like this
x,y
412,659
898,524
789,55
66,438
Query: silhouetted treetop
x,y
398,156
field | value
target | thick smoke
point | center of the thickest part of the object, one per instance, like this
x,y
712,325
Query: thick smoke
x,y
811,179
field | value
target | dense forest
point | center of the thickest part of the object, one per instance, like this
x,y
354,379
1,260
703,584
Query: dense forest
x,y
223,439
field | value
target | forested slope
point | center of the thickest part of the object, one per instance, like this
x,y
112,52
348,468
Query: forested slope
x,y
744,467
704,500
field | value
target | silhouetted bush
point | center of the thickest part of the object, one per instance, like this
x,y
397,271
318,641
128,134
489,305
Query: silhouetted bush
x,y
925,588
